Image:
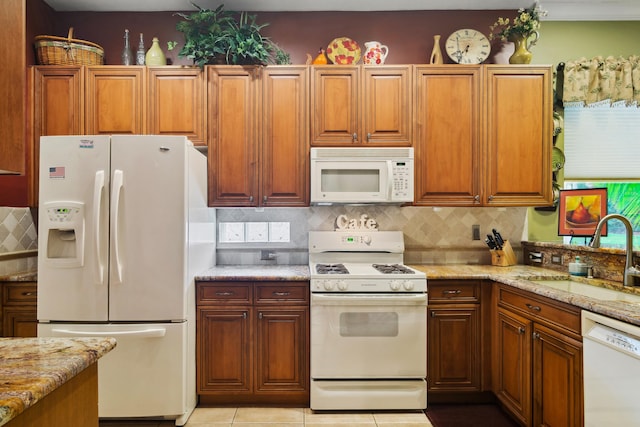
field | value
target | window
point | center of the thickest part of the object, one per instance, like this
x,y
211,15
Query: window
x,y
602,149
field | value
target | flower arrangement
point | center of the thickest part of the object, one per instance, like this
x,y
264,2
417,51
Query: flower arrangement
x,y
525,24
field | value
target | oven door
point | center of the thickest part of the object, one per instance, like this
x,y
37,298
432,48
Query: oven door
x,y
368,336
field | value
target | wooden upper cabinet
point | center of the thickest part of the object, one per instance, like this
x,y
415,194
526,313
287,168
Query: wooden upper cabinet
x,y
361,105
386,105
284,142
115,100
176,102
334,105
59,101
519,135
447,139
233,94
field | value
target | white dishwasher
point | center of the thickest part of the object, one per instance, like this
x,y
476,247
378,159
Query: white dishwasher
x,y
611,351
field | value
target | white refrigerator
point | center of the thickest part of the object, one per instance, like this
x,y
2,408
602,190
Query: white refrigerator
x,y
123,229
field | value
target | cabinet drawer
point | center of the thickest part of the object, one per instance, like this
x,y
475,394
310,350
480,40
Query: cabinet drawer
x,y
282,293
453,291
20,293
224,293
541,309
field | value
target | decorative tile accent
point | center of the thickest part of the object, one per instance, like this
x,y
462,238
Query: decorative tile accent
x,y
17,230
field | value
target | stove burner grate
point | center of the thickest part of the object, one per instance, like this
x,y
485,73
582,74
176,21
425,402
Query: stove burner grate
x,y
331,269
393,269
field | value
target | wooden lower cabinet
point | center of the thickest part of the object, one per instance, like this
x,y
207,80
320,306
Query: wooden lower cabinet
x,y
18,309
454,360
253,342
537,359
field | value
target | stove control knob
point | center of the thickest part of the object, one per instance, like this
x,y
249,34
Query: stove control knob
x,y
408,285
342,285
328,285
366,240
395,285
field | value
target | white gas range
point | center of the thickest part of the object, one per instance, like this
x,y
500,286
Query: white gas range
x,y
368,323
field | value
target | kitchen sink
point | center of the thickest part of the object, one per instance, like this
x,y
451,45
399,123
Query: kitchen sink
x,y
590,290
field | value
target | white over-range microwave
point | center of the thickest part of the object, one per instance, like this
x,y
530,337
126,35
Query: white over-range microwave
x,y
361,175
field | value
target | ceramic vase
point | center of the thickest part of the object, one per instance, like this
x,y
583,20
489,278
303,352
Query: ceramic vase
x,y
155,55
436,53
375,53
523,43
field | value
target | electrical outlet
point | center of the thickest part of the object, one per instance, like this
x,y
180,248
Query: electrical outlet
x,y
475,232
556,259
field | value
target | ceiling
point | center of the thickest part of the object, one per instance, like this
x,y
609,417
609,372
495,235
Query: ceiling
x,y
559,10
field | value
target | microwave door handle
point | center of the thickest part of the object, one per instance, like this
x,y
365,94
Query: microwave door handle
x,y
390,180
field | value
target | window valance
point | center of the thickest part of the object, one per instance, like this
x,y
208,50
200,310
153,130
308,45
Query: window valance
x,y
599,79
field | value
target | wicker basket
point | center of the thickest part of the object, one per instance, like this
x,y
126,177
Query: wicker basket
x,y
52,50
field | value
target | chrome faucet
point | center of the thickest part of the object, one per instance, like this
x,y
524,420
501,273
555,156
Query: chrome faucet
x,y
629,270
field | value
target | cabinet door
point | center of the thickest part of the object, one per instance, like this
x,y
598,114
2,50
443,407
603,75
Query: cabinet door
x,y
454,348
519,136
386,105
224,351
282,361
284,157
115,100
176,102
512,364
557,379
447,142
334,105
233,120
19,322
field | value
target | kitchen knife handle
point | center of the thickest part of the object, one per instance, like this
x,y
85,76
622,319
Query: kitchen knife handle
x,y
118,180
98,187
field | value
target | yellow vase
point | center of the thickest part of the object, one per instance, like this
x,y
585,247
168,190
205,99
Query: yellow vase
x,y
155,55
523,43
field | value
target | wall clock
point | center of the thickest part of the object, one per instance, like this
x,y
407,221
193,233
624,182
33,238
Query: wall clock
x,y
467,46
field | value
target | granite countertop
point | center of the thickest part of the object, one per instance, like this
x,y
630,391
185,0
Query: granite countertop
x,y
518,276
521,276
24,276
255,272
31,368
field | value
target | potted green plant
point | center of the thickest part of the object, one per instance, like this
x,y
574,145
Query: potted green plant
x,y
219,36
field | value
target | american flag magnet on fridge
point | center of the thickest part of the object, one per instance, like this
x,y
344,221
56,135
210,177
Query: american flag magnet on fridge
x,y
56,172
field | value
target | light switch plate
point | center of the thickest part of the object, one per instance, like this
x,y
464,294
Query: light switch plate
x,y
257,232
231,232
279,232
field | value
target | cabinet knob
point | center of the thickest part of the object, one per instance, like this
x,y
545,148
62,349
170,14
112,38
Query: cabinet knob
x,y
433,314
354,137
251,198
533,307
28,294
451,292
476,198
224,293
490,197
244,315
264,199
521,330
260,315
368,136
535,335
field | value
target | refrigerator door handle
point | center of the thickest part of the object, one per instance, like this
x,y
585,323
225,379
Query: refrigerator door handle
x,y
98,187
118,180
142,333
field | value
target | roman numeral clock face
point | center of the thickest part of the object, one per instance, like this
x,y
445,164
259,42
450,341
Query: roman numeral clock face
x,y
468,47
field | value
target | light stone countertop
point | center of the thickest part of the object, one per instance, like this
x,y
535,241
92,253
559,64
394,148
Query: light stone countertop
x,y
518,276
31,368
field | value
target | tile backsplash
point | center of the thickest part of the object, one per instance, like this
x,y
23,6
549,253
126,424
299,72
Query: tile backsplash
x,y
432,235
17,234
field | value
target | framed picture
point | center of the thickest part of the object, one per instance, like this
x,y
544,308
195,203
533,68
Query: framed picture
x,y
581,210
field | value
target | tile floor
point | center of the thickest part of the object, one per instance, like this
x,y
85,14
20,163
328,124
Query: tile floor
x,y
287,417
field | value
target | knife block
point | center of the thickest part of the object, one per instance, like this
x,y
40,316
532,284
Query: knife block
x,y
503,257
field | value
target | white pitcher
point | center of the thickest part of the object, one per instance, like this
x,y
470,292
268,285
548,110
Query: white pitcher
x,y
375,53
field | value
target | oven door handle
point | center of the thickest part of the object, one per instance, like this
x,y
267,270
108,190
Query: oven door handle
x,y
369,299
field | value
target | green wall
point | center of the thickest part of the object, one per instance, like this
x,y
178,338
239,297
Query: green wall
x,y
562,41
